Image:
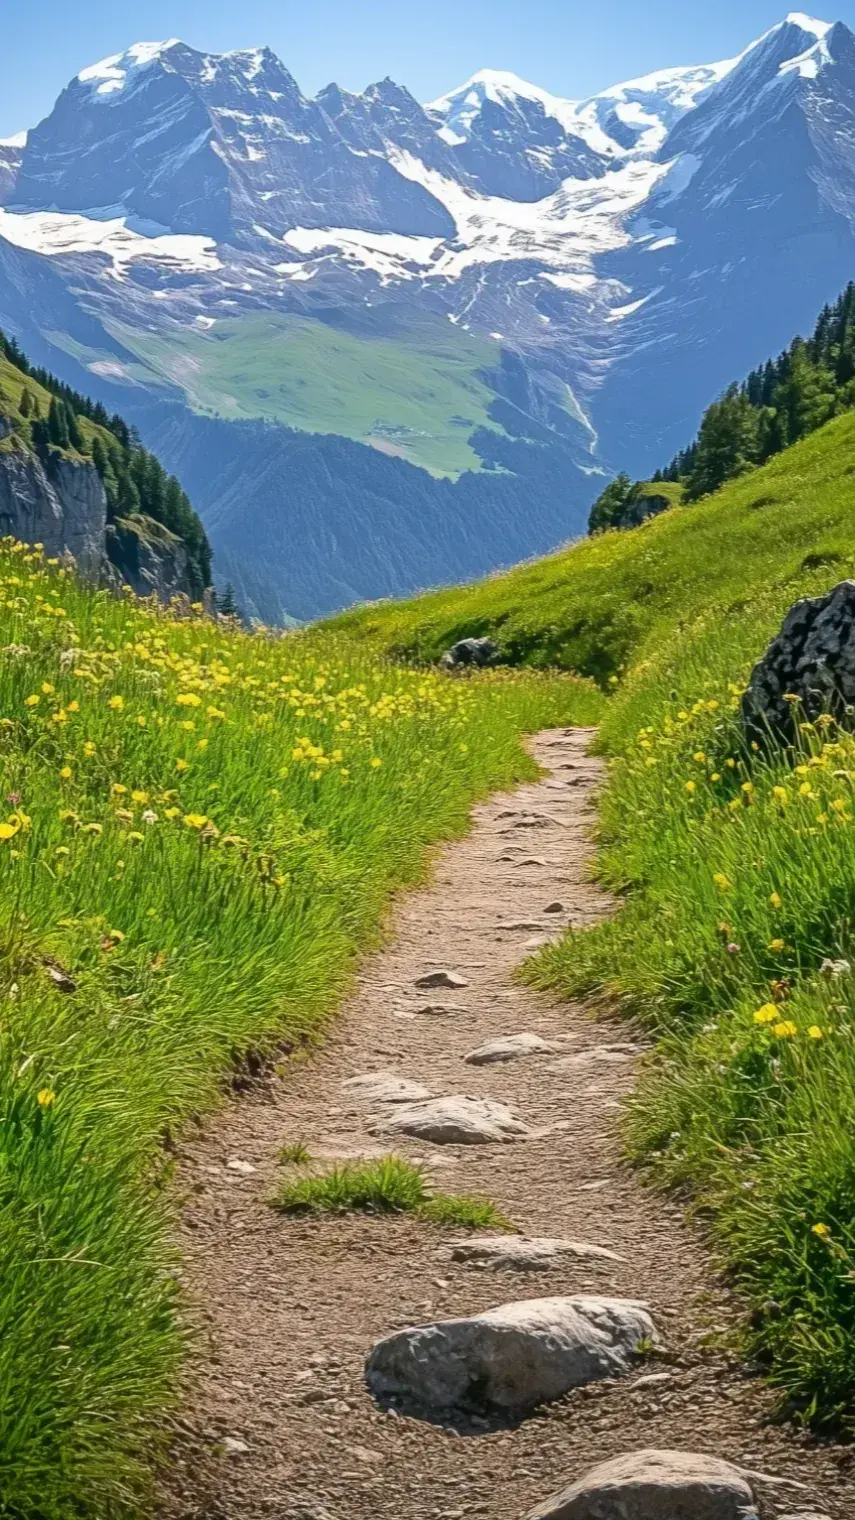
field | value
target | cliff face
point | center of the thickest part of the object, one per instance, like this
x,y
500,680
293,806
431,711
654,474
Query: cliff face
x,y
63,506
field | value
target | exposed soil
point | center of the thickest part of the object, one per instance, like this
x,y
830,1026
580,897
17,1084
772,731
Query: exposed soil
x,y
279,1423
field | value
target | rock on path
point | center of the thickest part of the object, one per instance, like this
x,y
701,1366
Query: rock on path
x,y
655,1485
454,1121
510,1047
511,1358
518,1254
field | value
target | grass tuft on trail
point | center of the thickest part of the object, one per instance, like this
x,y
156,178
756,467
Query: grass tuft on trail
x,y
389,1185
199,833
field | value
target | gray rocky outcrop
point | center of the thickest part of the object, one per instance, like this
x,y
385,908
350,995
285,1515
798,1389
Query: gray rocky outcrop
x,y
812,659
477,652
148,558
509,1359
655,1485
61,504
63,507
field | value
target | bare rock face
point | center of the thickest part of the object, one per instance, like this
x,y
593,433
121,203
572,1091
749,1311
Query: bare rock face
x,y
63,508
655,1485
509,1359
148,558
813,659
454,1121
477,652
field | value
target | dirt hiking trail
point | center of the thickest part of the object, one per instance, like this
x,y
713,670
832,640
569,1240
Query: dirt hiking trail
x,y
279,1423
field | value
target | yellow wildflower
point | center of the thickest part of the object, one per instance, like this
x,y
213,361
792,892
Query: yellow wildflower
x,y
815,1032
785,1030
767,1014
46,1098
116,703
66,773
195,820
776,900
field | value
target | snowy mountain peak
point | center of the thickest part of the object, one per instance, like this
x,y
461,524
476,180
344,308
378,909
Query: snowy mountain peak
x,y
808,23
110,74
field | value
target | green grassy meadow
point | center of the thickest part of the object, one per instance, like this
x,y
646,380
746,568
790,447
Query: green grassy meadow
x,y
199,833
605,602
415,393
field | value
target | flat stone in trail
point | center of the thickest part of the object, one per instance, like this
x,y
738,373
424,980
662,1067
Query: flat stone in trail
x,y
554,907
509,1359
441,979
523,925
510,1047
655,1485
386,1087
600,1055
516,1253
454,1121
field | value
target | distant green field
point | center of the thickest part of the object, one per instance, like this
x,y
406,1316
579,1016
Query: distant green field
x,y
415,394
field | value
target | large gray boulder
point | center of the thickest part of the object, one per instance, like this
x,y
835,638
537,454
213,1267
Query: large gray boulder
x,y
477,652
655,1485
812,658
509,1359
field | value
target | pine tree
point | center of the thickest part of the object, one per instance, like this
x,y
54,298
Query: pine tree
x,y
728,444
58,424
25,405
226,603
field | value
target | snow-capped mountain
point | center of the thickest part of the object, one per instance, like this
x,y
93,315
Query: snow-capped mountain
x,y
389,344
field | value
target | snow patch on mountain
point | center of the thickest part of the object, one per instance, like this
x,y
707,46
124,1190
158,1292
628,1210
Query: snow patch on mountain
x,y
55,234
390,255
563,231
110,74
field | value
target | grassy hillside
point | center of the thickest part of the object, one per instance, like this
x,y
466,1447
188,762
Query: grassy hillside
x,y
606,601
416,393
200,831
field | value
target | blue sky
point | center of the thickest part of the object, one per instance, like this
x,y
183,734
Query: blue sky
x,y
572,47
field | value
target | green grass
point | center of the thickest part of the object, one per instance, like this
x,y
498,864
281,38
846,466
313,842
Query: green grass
x,y
389,1185
607,602
295,1153
202,829
416,392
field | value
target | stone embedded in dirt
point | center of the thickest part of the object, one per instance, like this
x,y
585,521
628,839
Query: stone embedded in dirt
x,y
605,1055
516,1253
243,1168
441,979
655,1485
509,1047
233,1447
554,907
533,860
385,1087
812,659
454,1121
441,1010
523,925
509,1359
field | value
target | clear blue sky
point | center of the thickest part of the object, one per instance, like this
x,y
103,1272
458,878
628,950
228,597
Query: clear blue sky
x,y
572,47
